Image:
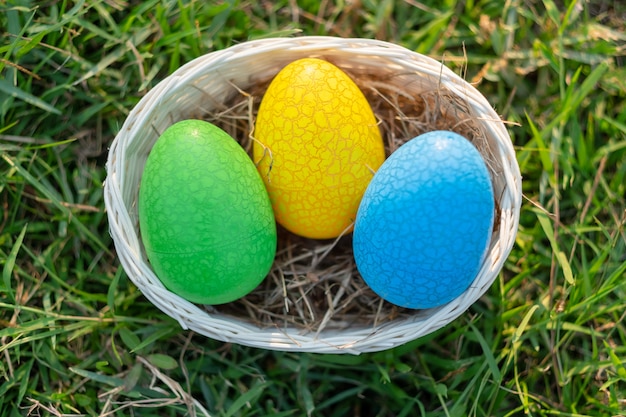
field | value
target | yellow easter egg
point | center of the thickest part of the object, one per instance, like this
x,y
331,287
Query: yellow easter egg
x,y
317,145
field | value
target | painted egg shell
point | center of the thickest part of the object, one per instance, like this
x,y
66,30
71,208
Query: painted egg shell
x,y
205,217
316,146
425,221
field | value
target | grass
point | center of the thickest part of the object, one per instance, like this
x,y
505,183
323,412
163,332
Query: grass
x,y
77,338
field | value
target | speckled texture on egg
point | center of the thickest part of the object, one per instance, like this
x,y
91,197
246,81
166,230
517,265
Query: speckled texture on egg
x,y
425,221
206,220
316,145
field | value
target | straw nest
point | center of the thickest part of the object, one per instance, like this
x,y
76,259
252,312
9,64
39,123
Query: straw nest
x,y
314,284
313,298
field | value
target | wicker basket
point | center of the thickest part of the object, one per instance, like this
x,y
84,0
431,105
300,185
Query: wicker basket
x,y
208,82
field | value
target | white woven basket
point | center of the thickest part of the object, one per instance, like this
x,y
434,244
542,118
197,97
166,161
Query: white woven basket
x,y
215,76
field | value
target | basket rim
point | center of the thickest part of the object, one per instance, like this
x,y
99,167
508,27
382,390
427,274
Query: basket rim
x,y
132,137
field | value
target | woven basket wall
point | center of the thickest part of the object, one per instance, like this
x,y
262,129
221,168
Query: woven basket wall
x,y
213,79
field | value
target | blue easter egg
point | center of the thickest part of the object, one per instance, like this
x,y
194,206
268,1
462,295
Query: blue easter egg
x,y
425,221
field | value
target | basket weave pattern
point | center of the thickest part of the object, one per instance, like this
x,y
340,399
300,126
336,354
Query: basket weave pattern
x,y
208,82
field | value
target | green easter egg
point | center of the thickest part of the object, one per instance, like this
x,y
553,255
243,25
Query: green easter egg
x,y
205,217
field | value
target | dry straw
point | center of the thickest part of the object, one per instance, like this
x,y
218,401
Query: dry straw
x,y
313,300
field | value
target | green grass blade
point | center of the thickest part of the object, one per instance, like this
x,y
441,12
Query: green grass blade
x,y
617,362
130,339
54,199
9,265
561,258
98,377
115,55
24,385
245,398
542,149
11,90
565,265
488,352
162,361
575,95
519,331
